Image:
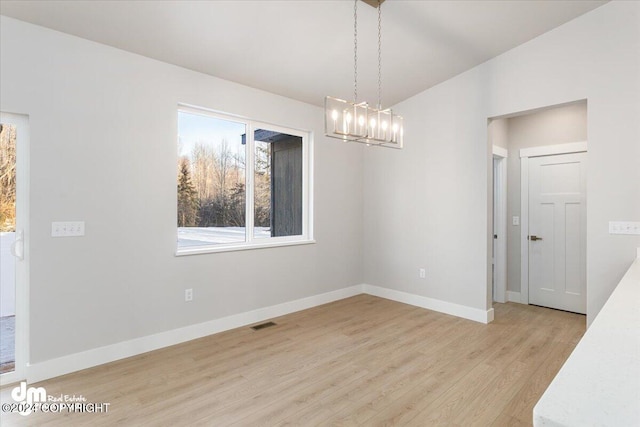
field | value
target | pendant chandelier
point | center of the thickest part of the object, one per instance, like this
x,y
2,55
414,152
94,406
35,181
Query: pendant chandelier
x,y
357,121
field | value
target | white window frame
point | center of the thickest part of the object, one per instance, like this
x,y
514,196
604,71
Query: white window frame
x,y
307,187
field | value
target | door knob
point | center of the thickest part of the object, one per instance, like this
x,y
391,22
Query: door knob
x,y
534,238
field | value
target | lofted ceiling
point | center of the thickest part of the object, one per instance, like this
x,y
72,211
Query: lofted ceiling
x,y
304,49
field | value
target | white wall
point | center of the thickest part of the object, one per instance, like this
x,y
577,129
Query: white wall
x,y
559,125
429,203
103,150
499,132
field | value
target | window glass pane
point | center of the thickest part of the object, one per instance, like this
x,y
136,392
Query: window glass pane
x,y
211,181
8,178
278,184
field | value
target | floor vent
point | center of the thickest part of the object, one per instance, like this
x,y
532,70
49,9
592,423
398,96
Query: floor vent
x,y
262,326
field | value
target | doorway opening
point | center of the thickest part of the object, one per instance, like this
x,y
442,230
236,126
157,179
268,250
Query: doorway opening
x,y
539,133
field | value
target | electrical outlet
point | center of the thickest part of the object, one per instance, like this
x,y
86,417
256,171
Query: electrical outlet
x,y
422,273
188,295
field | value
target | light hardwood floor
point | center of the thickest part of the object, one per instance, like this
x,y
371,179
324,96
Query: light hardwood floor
x,y
359,361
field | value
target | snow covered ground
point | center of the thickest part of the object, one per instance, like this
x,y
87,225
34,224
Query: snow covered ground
x,y
197,236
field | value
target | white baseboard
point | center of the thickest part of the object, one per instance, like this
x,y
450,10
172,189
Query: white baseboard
x,y
475,314
490,315
513,296
87,359
98,356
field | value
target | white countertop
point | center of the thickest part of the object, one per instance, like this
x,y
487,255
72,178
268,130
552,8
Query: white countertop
x,y
599,385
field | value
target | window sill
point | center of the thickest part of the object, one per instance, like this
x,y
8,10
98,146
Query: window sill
x,y
240,247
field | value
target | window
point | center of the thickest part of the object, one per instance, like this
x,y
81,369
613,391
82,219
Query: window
x,y
241,184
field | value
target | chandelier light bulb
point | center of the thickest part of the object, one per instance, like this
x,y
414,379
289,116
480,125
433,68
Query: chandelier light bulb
x,y
361,120
334,115
394,137
347,123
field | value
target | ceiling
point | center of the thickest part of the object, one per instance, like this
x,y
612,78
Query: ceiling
x,y
304,49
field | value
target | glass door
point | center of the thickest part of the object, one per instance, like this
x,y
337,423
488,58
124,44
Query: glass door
x,y
13,277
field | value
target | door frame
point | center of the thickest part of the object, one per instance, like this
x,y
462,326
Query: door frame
x,y
500,214
525,153
22,266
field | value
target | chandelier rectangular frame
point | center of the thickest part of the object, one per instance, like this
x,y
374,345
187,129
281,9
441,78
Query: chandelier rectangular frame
x,y
358,122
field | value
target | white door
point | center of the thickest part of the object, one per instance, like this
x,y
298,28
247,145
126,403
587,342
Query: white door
x,y
14,140
557,231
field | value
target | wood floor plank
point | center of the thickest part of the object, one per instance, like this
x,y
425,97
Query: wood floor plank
x,y
505,420
358,361
520,406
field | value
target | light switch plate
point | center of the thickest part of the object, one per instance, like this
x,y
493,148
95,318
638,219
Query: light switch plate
x,y
516,220
624,227
67,229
